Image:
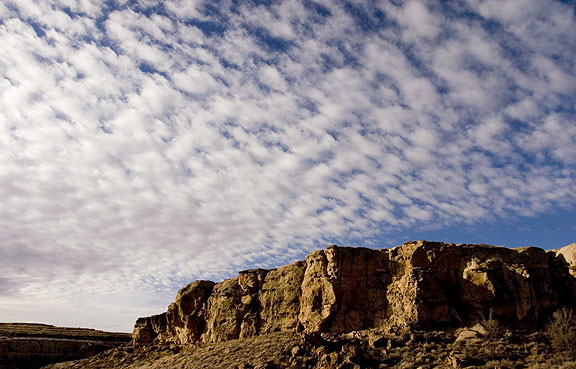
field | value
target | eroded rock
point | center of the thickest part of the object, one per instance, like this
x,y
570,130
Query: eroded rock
x,y
185,317
279,298
344,289
428,285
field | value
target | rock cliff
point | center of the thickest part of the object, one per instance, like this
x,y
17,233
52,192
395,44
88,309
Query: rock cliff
x,y
427,285
29,345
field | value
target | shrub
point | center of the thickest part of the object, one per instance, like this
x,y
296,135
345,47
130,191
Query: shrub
x,y
491,325
561,331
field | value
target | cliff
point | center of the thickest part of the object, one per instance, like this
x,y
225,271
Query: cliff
x,y
27,345
425,285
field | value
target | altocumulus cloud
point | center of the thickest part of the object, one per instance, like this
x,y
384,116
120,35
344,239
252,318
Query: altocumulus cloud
x,y
144,144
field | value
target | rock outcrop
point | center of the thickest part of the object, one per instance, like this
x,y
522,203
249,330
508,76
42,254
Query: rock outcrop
x,y
27,345
568,253
421,284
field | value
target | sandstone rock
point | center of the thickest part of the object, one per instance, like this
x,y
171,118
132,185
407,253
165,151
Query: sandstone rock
x,y
421,284
318,296
185,317
224,310
25,345
569,254
343,289
455,361
143,333
470,333
250,283
447,283
377,340
280,298
515,285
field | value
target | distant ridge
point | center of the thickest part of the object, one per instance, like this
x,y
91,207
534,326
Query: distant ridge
x,y
32,345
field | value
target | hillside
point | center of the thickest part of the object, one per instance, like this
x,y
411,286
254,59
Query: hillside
x,y
356,350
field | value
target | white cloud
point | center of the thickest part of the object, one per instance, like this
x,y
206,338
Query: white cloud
x,y
272,78
139,151
417,20
556,135
195,81
186,9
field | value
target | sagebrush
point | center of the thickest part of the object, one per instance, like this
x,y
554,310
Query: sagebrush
x,y
561,331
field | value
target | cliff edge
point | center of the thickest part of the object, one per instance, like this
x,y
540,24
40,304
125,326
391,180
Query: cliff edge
x,y
32,345
424,285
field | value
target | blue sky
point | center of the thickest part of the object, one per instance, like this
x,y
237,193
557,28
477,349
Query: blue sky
x,y
143,146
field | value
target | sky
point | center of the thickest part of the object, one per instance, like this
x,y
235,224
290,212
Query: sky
x,y
146,144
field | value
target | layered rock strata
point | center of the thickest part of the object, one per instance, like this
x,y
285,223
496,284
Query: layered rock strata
x,y
28,345
341,289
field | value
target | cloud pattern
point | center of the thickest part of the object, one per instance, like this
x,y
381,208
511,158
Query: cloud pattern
x,y
145,144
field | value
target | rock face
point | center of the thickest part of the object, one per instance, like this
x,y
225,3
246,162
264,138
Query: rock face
x,y
258,301
345,289
342,289
568,253
28,345
35,352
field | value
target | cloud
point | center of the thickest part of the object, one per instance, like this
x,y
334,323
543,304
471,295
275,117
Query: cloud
x,y
142,146
416,19
554,137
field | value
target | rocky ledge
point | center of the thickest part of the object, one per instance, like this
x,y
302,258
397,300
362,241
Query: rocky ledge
x,y
27,346
419,285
